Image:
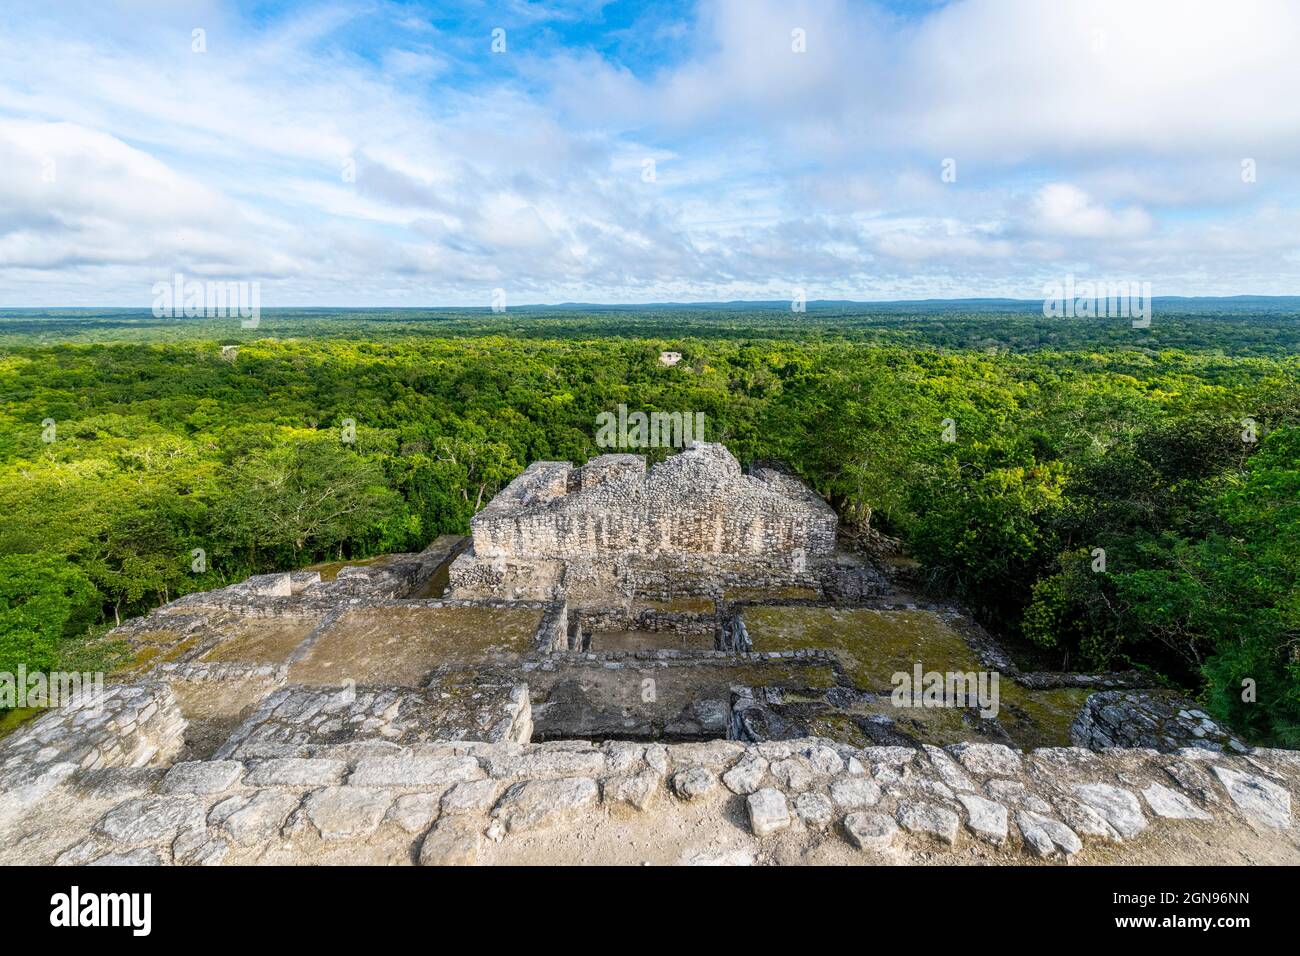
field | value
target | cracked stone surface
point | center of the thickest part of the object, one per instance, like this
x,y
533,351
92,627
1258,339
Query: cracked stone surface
x,y
150,820
196,847
855,792
413,812
255,819
1171,804
201,776
448,844
542,803
988,760
1119,807
1159,720
343,813
1194,780
746,776
1258,799
814,809
1062,802
1082,819
693,783
1016,794
471,796
794,773
415,770
950,774
296,772
871,831
637,790
986,819
1046,836
141,857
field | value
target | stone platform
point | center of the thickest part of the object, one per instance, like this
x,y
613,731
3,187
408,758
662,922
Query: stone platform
x,y
807,800
722,695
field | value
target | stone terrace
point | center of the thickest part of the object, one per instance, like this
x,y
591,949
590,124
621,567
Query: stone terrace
x,y
807,800
717,693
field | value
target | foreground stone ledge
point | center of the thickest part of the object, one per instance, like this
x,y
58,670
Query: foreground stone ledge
x,y
464,803
127,726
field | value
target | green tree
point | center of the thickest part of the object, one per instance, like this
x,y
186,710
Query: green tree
x,y
987,537
1073,611
43,599
1256,575
310,493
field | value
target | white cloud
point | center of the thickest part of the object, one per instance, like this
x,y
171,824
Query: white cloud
x,y
1060,209
1001,80
1086,135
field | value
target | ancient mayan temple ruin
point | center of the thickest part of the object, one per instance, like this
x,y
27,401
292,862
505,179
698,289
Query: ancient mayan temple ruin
x,y
697,502
600,535
616,650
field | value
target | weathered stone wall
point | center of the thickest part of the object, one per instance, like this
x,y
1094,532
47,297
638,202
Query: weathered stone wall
x,y
394,576
607,468
587,580
133,725
695,502
715,802
299,721
1160,720
472,576
444,772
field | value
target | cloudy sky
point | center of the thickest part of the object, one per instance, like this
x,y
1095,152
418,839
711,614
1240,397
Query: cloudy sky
x,y
384,153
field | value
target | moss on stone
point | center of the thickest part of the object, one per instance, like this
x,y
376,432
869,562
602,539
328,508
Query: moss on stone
x,y
637,640
784,673
329,570
790,593
160,636
262,640
872,645
404,645
152,655
1040,718
11,720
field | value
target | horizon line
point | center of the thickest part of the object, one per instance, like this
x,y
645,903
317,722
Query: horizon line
x,y
784,303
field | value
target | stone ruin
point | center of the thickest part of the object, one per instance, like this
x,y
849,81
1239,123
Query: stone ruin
x,y
600,536
696,502
675,664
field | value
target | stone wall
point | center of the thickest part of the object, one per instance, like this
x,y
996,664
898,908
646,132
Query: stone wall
x,y
588,580
1157,719
808,800
135,725
698,501
301,721
437,766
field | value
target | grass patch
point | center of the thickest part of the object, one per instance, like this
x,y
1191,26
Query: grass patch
x,y
11,720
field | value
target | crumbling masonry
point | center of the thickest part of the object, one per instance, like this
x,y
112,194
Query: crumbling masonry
x,y
678,664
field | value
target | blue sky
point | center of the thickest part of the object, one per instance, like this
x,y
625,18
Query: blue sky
x,y
382,153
